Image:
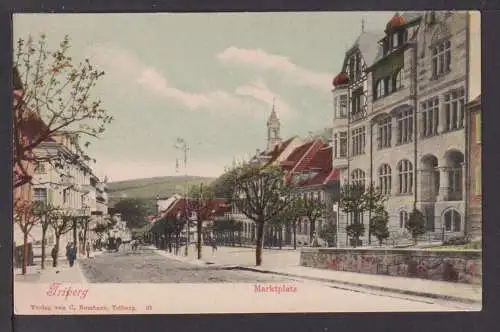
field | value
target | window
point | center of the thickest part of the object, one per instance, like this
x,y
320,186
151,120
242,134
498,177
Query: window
x,y
430,117
357,102
441,58
357,60
405,126
343,106
478,127
398,79
40,194
351,69
455,184
343,144
477,181
387,86
340,106
379,89
65,196
335,146
385,179
40,167
395,40
452,221
429,218
385,133
358,177
403,218
405,170
358,141
454,109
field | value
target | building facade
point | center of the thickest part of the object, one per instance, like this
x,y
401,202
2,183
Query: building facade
x,y
399,106
474,195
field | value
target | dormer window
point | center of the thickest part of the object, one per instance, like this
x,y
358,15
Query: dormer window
x,y
398,79
395,40
379,89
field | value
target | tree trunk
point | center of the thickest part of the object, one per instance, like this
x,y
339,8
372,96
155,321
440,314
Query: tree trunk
x,y
258,247
58,238
44,243
198,235
370,227
295,235
75,237
25,252
84,245
280,237
312,227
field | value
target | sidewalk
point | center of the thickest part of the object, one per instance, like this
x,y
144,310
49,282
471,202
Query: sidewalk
x,y
62,273
286,263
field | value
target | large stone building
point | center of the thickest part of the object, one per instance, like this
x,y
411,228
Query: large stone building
x,y
399,105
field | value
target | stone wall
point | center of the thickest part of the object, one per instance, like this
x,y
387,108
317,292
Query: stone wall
x,y
463,266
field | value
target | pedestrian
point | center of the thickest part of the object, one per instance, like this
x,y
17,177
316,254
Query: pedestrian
x,y
72,255
214,247
88,249
68,247
54,256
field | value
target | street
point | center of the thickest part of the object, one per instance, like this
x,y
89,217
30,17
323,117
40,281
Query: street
x,y
147,266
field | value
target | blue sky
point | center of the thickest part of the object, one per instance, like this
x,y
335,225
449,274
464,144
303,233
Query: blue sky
x,y
209,78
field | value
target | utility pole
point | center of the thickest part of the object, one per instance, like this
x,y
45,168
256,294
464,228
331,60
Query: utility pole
x,y
181,144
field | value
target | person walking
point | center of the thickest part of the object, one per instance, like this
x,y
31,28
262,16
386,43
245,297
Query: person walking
x,y
214,247
87,249
72,255
54,256
68,247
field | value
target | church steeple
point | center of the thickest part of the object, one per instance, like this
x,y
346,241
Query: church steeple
x,y
273,128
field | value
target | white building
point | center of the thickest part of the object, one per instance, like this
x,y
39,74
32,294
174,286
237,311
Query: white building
x,y
399,119
70,187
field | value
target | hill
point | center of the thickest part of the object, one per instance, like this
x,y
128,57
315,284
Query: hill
x,y
149,188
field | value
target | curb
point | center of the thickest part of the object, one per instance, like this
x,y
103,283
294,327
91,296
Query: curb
x,y
373,287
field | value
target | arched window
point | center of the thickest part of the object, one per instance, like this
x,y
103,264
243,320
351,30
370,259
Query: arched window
x,y
452,221
398,79
358,177
385,179
405,173
403,218
379,89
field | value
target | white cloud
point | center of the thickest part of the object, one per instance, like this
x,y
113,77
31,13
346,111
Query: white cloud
x,y
259,91
258,58
130,68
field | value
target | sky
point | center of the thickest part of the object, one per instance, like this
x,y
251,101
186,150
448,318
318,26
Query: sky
x,y
207,78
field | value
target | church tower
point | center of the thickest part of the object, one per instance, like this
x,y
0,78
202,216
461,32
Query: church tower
x,y
273,128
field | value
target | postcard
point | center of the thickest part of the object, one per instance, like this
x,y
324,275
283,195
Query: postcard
x,y
170,163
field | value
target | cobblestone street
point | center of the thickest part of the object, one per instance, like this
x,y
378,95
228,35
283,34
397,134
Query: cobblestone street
x,y
146,266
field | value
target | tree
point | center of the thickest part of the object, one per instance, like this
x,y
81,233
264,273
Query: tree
x,y
261,194
133,210
200,198
355,231
313,209
352,203
26,216
378,225
373,200
416,224
291,215
329,233
56,100
61,222
84,222
45,212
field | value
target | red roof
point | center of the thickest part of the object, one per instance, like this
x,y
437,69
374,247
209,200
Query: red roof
x,y
340,79
213,207
396,21
296,155
278,150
